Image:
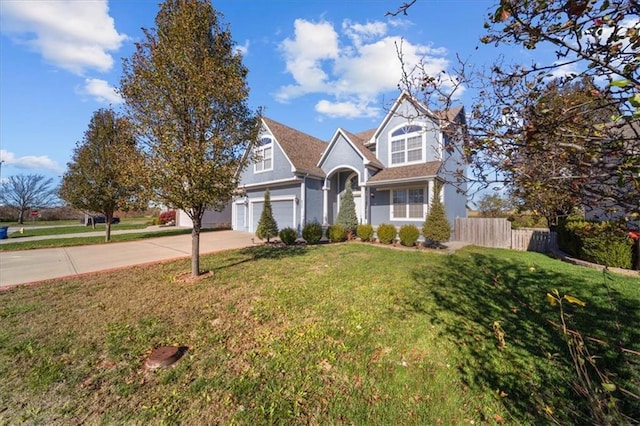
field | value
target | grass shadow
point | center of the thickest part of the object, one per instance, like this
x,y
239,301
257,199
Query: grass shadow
x,y
257,252
532,374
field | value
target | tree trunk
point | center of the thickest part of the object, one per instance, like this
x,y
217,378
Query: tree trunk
x,y
107,226
195,247
21,217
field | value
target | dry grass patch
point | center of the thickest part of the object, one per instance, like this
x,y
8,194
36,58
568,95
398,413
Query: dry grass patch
x,y
336,334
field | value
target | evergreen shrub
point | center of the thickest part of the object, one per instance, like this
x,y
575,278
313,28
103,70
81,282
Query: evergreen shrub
x,y
603,243
267,226
436,227
386,233
365,232
312,232
337,233
288,236
408,234
347,216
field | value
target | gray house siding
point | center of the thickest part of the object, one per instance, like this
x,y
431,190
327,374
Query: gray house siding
x,y
454,204
406,109
380,206
281,170
341,155
313,200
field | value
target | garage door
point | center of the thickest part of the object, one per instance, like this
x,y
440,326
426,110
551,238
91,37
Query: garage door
x,y
282,213
241,217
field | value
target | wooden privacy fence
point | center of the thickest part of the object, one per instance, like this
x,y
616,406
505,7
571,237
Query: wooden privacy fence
x,y
489,232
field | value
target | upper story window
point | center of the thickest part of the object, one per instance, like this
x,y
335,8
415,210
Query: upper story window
x,y
407,145
264,155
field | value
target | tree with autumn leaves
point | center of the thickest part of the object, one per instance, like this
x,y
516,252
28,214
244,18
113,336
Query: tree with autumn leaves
x,y
526,120
107,172
185,89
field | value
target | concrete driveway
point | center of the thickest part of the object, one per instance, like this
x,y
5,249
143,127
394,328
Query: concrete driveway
x,y
28,266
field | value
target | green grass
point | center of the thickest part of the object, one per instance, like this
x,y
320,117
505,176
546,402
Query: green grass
x,y
337,334
82,241
76,229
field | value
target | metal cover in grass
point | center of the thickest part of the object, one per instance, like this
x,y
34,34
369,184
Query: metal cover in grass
x,y
164,356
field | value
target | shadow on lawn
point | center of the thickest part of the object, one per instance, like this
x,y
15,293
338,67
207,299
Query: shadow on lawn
x,y
533,374
258,252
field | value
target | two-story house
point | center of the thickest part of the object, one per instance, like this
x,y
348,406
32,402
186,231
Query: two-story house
x,y
392,171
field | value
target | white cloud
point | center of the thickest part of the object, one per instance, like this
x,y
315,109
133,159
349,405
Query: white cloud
x,y
243,49
312,44
346,109
73,35
30,162
101,91
360,33
353,67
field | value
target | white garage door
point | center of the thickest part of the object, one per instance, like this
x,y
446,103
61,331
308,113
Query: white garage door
x,y
283,213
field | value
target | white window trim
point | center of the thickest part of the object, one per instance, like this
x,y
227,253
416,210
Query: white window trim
x,y
391,139
258,152
425,196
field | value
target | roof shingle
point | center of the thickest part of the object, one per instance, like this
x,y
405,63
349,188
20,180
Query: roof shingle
x,y
402,173
303,150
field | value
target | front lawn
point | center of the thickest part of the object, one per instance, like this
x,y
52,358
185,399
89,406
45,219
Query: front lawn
x,y
337,334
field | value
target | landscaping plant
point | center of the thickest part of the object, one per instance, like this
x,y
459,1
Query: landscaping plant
x,y
365,232
386,233
337,233
288,236
436,227
267,226
312,232
408,234
347,217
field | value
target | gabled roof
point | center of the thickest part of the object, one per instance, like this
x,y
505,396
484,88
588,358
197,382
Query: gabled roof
x,y
356,142
413,172
443,117
404,96
359,143
449,115
302,149
366,135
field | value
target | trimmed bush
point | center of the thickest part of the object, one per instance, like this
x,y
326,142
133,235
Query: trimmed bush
x,y
408,234
568,240
337,233
604,243
288,236
267,226
365,232
312,232
436,227
166,217
347,216
386,233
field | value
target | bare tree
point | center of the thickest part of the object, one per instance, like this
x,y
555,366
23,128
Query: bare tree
x,y
25,192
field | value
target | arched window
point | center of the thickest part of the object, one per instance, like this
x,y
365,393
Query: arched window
x,y
264,155
406,145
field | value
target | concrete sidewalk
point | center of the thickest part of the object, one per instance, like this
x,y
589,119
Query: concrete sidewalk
x,y
27,266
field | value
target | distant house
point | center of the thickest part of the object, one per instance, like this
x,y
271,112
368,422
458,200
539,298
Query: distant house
x,y
392,171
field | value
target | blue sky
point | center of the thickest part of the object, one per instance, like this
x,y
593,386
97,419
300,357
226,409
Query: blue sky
x,y
313,65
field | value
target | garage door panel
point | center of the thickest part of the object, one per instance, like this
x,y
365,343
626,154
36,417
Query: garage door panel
x,y
282,211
